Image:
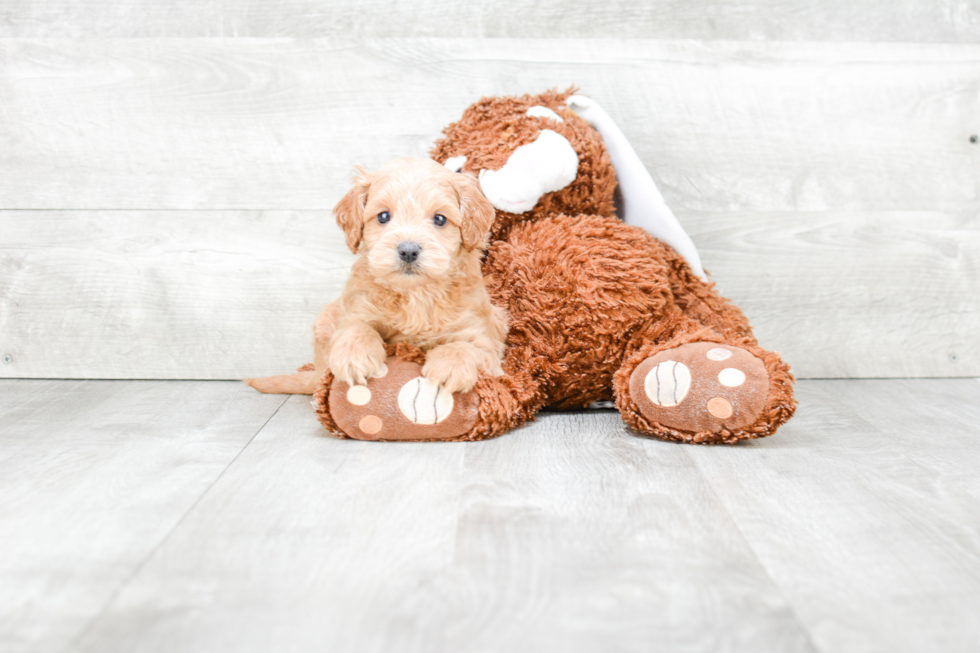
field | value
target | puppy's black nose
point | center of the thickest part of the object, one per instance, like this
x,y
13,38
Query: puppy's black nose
x,y
408,252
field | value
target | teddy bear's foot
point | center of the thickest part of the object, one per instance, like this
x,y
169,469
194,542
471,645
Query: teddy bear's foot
x,y
702,389
400,404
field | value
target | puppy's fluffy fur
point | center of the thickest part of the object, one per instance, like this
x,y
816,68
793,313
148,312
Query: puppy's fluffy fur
x,y
436,301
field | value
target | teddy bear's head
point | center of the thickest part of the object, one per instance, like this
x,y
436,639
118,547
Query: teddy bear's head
x,y
534,157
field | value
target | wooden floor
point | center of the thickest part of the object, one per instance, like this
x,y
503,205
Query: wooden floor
x,y
201,516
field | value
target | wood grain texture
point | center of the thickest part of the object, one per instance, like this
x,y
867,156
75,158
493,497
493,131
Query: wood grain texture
x,y
577,535
229,294
278,124
314,543
854,295
834,20
865,510
567,535
164,294
856,528
832,189
95,476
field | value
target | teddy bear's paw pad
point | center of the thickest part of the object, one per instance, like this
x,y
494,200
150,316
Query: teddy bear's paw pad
x,y
701,387
400,404
423,402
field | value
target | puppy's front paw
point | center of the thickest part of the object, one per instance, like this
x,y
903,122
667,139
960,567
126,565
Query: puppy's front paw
x,y
354,359
356,370
452,367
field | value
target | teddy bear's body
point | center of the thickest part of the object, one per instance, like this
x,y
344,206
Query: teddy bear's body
x,y
589,298
598,309
588,290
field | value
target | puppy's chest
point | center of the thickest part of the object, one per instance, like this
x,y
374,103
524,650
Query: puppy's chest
x,y
422,328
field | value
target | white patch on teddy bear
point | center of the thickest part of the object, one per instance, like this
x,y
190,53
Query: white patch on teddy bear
x,y
424,402
668,383
539,111
543,166
455,163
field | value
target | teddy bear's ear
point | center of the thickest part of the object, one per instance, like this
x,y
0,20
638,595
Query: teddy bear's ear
x,y
350,209
476,212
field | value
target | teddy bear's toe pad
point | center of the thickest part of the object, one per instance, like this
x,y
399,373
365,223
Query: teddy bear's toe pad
x,y
400,404
701,387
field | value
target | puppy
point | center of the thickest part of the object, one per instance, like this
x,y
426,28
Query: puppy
x,y
419,232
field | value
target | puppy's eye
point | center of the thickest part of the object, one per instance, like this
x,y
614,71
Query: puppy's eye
x,y
383,217
440,220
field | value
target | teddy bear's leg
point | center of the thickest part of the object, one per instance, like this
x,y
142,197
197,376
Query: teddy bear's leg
x,y
400,404
701,387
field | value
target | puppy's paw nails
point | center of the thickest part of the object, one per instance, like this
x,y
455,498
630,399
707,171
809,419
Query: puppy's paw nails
x,y
451,378
374,365
357,371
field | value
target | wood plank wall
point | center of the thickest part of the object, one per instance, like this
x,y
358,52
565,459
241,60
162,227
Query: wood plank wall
x,y
932,21
167,169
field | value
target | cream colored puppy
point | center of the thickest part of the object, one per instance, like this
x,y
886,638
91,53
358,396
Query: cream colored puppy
x,y
419,232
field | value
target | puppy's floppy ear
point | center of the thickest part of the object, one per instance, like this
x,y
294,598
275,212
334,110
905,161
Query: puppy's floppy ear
x,y
350,209
476,212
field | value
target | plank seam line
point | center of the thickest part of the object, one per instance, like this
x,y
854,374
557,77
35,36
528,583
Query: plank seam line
x,y
142,563
755,556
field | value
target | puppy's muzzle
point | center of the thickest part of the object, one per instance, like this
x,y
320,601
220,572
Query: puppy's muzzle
x,y
409,253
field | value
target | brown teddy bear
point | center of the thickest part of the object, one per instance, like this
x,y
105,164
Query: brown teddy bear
x,y
599,309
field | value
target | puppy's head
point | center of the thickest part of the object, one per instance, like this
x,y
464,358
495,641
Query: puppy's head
x,y
414,220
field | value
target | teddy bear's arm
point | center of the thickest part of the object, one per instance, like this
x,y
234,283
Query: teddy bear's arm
x,y
643,205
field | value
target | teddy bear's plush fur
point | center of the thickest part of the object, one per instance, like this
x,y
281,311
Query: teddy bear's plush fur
x,y
490,131
599,310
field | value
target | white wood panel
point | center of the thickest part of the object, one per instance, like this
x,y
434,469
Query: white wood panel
x,y
856,295
865,510
856,528
277,124
835,20
567,535
847,170
164,294
174,294
95,476
576,535
312,543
